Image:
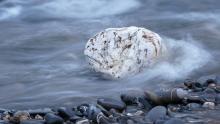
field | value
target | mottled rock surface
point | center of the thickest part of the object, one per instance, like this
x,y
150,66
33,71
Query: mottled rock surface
x,y
119,52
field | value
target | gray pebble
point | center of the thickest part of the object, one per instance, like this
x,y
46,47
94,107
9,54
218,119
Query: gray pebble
x,y
157,113
109,103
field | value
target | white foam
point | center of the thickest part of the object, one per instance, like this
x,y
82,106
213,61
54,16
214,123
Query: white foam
x,y
185,57
86,8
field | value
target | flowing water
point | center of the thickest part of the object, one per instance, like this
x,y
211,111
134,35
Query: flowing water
x,y
42,42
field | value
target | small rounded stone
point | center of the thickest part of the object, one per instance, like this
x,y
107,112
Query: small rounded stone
x,y
38,117
21,115
209,105
157,113
193,106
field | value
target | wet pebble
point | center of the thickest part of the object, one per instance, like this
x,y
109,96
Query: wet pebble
x,y
83,121
209,105
38,117
109,103
104,111
91,112
65,113
20,116
5,116
193,85
193,106
53,119
75,118
129,99
131,109
138,100
157,113
81,110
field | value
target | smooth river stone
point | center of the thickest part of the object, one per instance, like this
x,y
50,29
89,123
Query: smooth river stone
x,y
120,52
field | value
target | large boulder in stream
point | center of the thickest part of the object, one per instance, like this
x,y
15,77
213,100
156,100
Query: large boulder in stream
x,y
119,52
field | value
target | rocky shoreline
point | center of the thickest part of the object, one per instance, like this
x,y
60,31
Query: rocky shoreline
x,y
192,102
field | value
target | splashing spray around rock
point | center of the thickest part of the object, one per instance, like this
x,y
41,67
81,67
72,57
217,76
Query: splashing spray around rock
x,y
119,52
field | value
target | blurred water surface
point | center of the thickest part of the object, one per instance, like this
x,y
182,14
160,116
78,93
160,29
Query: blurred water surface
x,y
42,42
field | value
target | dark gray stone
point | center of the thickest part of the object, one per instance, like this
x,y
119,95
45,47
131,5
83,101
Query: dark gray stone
x,y
109,103
157,113
129,99
65,113
53,119
143,103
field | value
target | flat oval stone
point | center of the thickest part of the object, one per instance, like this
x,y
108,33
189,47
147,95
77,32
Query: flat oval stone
x,y
109,103
157,113
119,52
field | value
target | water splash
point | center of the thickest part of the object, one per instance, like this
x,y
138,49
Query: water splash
x,y
184,57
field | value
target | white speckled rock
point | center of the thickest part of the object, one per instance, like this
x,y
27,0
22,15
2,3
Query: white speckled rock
x,y
120,52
